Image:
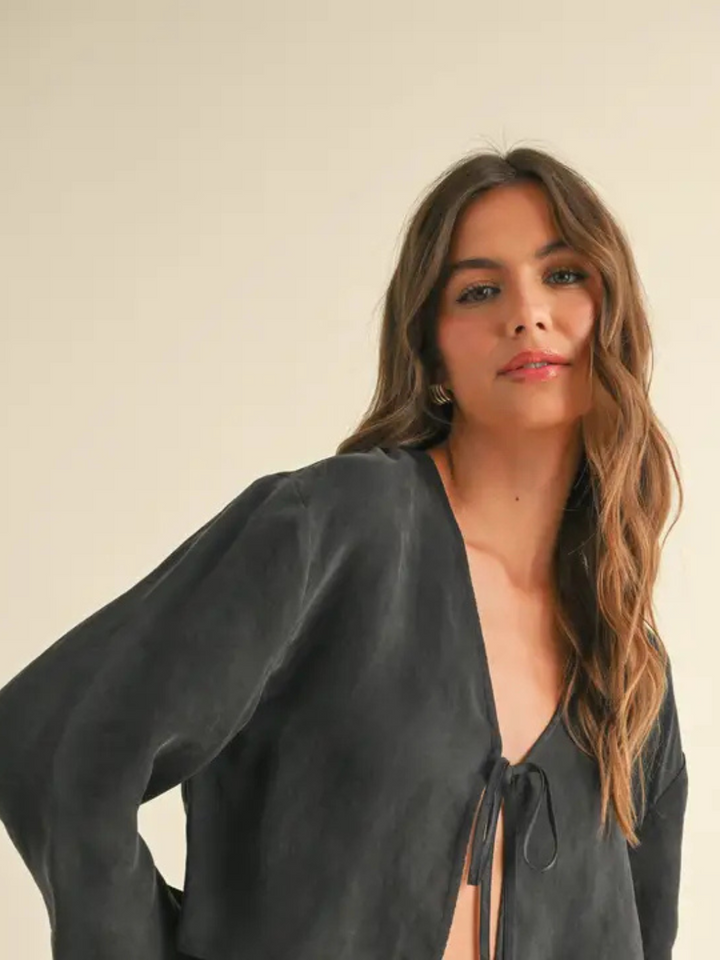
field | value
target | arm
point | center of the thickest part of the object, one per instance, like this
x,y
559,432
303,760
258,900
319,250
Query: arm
x,y
133,701
656,862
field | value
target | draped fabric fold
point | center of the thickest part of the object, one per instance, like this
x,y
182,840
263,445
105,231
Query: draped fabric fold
x,y
502,778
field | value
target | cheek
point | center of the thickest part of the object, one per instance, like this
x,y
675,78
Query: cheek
x,y
575,328
586,312
465,343
583,337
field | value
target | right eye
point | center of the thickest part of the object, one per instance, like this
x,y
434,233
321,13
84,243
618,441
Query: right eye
x,y
465,295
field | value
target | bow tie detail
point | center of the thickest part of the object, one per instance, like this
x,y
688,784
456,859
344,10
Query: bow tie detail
x,y
502,786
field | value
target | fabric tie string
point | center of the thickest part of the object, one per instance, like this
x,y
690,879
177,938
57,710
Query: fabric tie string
x,y
502,775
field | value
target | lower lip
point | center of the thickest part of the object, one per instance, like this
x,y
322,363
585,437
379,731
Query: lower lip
x,y
549,372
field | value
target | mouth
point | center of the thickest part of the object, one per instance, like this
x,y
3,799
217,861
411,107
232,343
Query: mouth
x,y
537,365
535,371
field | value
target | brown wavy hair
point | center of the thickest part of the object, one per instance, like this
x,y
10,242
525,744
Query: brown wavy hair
x,y
617,675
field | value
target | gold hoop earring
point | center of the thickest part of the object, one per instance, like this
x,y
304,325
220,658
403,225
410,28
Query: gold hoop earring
x,y
439,394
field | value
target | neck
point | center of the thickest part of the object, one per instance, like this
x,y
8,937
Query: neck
x,y
508,494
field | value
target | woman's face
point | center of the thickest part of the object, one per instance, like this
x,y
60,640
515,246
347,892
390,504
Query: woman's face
x,y
488,314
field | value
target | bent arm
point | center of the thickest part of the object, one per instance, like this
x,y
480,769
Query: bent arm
x,y
135,700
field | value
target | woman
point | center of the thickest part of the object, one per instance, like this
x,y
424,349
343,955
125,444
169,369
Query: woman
x,y
418,674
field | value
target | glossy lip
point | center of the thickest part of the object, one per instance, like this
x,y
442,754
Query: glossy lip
x,y
533,356
535,374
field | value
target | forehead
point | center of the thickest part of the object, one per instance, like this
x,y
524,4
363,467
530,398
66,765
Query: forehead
x,y
512,220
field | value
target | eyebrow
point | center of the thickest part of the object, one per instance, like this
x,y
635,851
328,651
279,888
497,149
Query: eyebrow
x,y
484,263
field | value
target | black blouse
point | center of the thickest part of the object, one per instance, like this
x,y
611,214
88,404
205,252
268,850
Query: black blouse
x,y
310,667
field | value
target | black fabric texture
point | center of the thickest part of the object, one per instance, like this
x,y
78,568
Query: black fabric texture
x,y
309,667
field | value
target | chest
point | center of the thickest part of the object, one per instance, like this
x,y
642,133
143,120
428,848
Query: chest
x,y
526,663
525,656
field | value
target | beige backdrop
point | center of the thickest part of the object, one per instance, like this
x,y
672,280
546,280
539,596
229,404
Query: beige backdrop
x,y
201,208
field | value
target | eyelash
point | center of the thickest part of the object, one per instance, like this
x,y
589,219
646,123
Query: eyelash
x,y
481,286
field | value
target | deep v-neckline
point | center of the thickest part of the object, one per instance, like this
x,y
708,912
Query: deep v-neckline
x,y
431,473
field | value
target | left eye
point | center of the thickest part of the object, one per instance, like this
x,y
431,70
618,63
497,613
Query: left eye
x,y
463,298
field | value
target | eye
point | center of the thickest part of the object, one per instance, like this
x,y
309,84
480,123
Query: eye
x,y
465,295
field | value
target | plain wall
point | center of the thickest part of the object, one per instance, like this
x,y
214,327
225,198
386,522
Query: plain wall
x,y
201,208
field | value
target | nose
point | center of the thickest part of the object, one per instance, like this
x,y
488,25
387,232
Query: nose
x,y
528,307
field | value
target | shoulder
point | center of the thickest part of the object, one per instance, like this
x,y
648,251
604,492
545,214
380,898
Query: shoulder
x,y
339,478
351,498
374,479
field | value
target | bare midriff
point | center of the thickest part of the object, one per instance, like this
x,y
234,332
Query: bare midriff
x,y
463,938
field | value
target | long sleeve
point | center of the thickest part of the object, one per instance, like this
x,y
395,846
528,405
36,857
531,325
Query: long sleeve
x,y
656,862
134,700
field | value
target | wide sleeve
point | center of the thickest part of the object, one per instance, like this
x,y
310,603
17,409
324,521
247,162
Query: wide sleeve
x,y
134,700
656,862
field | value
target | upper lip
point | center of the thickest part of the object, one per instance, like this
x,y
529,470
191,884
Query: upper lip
x,y
533,356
